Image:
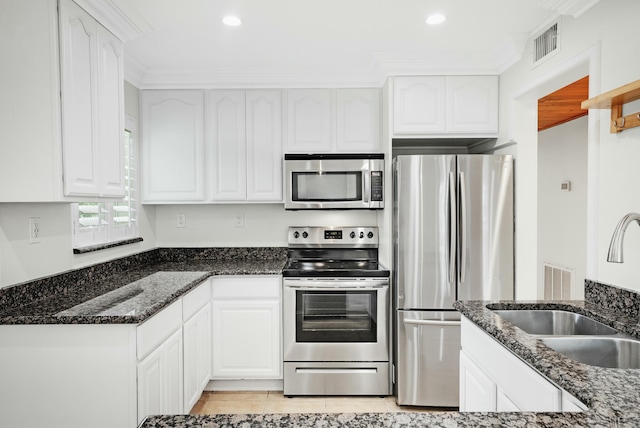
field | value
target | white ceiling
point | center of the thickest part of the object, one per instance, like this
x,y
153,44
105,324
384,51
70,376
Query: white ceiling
x,y
288,43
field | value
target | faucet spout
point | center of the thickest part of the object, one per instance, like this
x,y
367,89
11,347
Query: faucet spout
x,y
615,247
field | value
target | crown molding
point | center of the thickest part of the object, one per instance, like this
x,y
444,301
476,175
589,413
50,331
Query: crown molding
x,y
574,8
382,66
120,19
509,52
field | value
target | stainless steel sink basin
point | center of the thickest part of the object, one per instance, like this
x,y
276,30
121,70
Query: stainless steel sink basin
x,y
554,322
611,352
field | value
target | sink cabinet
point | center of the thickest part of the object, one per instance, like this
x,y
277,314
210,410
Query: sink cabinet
x,y
494,379
62,104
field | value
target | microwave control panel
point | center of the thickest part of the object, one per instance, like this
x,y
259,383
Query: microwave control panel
x,y
376,186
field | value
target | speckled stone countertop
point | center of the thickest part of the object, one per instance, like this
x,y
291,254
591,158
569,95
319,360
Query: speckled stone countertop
x,y
131,289
612,395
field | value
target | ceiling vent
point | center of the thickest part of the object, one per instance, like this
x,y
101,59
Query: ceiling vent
x,y
546,43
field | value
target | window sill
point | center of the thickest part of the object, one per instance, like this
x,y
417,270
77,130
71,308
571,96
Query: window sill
x,y
91,248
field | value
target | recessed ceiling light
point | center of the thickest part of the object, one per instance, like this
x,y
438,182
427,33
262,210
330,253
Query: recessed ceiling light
x,y
232,21
436,18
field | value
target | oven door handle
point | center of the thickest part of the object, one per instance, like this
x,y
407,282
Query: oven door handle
x,y
334,285
433,322
337,287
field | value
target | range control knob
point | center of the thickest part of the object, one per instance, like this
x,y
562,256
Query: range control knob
x,y
361,235
305,234
352,235
370,235
296,234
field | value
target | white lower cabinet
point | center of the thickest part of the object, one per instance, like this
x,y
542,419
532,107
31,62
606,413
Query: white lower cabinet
x,y
494,379
246,327
197,355
160,379
477,390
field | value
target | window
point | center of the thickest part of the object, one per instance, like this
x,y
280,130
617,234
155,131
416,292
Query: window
x,y
96,223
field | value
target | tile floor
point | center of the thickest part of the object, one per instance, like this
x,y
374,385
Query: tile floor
x,y
222,402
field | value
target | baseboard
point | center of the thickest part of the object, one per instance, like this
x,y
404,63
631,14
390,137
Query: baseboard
x,y
245,385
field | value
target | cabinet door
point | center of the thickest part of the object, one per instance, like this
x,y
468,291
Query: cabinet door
x,y
309,127
477,390
246,339
472,104
172,390
357,120
226,117
78,63
197,356
160,379
111,113
419,105
172,146
264,146
504,403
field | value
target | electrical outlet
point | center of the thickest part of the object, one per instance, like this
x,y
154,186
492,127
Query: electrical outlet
x,y
181,220
239,220
34,230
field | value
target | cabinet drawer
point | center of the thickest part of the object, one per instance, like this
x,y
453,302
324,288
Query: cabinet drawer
x,y
196,299
247,287
156,329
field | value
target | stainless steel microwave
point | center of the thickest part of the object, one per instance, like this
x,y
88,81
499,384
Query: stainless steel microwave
x,y
334,181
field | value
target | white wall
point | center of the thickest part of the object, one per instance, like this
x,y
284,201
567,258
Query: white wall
x,y
21,261
602,29
264,224
562,215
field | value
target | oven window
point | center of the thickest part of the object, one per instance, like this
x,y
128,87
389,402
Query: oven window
x,y
336,316
327,186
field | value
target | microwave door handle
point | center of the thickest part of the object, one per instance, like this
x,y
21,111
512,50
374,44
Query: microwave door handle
x,y
366,185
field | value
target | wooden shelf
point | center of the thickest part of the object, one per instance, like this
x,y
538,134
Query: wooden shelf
x,y
614,100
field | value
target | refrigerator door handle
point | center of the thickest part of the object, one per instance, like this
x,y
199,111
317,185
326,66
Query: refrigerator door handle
x,y
452,228
433,322
463,229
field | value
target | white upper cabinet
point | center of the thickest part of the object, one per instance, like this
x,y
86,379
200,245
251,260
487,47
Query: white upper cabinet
x,y
445,105
246,142
309,126
418,104
333,120
172,146
92,105
358,120
472,104
221,146
62,104
226,120
264,146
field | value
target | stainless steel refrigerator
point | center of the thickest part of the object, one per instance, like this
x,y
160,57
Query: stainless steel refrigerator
x,y
453,240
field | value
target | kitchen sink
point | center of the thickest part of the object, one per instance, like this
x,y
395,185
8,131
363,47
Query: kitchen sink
x,y
610,352
554,322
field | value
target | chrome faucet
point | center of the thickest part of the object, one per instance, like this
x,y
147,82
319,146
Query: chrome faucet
x,y
615,247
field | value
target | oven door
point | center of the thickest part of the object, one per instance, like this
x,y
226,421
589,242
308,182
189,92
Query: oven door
x,y
335,320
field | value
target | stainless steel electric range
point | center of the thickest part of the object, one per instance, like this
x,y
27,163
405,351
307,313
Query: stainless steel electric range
x,y
335,313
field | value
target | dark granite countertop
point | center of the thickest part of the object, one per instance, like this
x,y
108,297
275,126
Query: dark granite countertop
x,y
129,291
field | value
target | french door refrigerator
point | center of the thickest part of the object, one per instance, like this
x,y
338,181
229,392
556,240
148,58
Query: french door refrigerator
x,y
453,240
